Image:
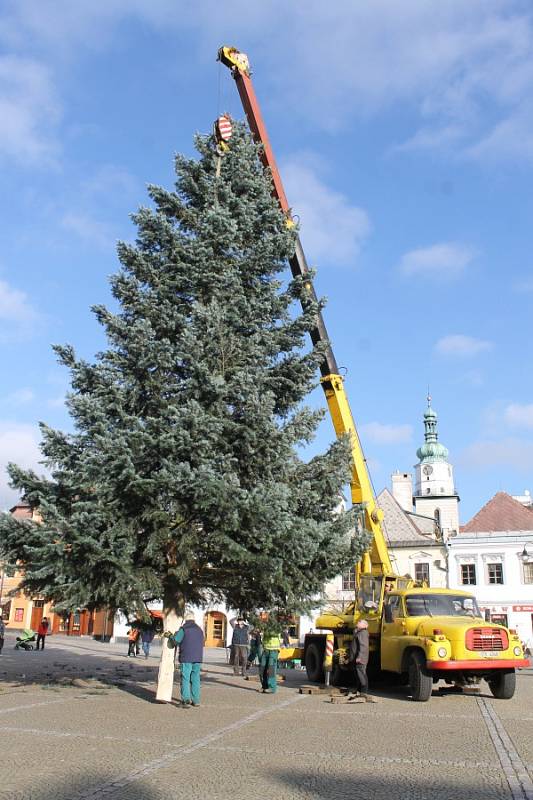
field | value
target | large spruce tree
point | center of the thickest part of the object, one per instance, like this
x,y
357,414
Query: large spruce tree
x,y
183,477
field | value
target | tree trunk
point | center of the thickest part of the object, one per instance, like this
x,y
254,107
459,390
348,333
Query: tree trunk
x,y
173,610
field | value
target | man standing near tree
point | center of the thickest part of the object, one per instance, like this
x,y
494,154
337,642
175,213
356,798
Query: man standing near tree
x,y
359,653
240,643
190,640
268,663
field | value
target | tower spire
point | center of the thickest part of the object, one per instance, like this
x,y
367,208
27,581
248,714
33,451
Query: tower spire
x,y
434,491
431,450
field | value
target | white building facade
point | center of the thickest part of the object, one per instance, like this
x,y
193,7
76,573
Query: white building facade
x,y
492,557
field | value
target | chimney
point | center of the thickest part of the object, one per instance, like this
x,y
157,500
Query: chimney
x,y
402,490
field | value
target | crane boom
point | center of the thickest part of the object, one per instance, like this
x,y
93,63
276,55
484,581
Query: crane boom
x,y
377,561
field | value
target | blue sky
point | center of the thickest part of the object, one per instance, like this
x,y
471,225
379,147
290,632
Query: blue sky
x,y
404,133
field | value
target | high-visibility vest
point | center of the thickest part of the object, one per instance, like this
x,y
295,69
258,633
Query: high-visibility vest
x,y
272,642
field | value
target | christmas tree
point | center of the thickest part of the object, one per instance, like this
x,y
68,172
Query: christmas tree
x,y
183,478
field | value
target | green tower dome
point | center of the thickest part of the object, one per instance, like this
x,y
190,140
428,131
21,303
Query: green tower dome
x,y
432,449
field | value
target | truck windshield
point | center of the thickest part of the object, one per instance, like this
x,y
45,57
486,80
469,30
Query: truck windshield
x,y
431,605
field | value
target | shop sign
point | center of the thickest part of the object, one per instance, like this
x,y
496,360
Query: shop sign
x,y
523,608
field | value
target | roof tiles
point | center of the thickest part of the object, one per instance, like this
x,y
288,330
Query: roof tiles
x,y
501,513
400,527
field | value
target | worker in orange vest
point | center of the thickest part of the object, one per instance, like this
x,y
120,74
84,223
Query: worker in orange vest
x,y
133,637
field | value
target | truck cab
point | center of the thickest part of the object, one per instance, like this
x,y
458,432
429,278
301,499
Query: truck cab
x,y
428,635
421,636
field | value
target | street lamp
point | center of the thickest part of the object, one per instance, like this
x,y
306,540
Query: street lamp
x,y
525,555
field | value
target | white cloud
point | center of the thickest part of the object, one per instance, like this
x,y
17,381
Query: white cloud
x,y
510,138
56,402
525,285
111,180
519,416
19,444
515,454
431,139
17,315
474,377
29,112
443,261
386,434
90,230
463,75
333,230
21,397
374,466
463,346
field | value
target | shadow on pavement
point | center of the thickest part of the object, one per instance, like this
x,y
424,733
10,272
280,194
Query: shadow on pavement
x,y
87,787
314,785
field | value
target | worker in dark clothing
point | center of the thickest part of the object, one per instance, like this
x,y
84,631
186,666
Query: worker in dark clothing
x,y
240,643
256,647
190,640
359,652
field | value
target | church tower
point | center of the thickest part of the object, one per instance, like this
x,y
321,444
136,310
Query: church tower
x,y
434,494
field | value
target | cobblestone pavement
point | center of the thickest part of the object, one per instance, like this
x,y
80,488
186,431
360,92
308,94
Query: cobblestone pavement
x,y
78,722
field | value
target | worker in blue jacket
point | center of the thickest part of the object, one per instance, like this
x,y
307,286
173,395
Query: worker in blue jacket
x,y
190,640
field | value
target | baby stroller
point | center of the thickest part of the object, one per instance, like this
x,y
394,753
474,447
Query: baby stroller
x,y
25,640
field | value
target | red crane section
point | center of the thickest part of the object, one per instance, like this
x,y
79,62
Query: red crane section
x,y
240,68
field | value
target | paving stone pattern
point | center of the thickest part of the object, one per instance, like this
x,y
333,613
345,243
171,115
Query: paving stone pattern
x,y
79,722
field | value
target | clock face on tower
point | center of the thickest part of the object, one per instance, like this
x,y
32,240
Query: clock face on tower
x,y
427,469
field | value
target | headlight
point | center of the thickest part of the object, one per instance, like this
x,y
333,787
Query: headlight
x,y
517,651
442,652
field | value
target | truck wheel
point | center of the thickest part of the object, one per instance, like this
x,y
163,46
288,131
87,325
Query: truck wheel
x,y
339,676
420,682
314,663
503,685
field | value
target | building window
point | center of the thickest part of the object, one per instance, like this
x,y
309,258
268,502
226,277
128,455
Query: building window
x,y
499,619
468,574
6,610
393,608
348,580
19,615
495,573
422,573
528,573
437,517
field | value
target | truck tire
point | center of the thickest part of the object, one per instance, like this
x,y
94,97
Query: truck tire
x,y
339,676
503,685
314,663
420,681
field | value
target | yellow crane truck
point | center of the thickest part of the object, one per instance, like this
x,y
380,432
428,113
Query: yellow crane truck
x,y
418,635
